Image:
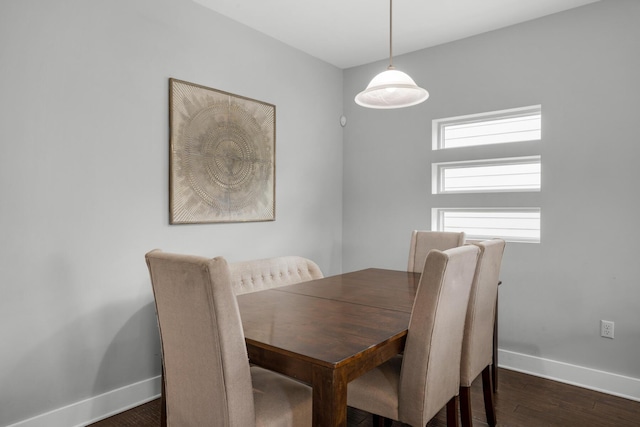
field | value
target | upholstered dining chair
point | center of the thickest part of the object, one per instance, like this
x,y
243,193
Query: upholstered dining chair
x,y
423,241
477,343
413,387
208,380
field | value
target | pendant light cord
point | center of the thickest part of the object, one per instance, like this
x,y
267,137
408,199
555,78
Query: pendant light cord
x,y
391,67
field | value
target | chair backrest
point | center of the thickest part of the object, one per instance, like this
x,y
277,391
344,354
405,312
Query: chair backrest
x,y
260,274
430,374
207,374
423,241
477,343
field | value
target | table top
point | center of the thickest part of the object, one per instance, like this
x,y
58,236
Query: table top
x,y
330,321
374,287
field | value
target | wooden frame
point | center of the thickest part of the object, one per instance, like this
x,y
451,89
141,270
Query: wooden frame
x,y
222,156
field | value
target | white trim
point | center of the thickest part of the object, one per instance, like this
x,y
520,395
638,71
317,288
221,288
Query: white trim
x,y
438,171
437,125
113,402
98,407
438,223
592,379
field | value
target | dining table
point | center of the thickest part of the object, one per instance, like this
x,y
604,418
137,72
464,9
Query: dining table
x,y
329,331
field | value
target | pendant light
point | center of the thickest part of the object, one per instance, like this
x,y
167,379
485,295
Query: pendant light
x,y
391,88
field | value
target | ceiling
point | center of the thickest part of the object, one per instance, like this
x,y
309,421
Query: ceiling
x,y
348,33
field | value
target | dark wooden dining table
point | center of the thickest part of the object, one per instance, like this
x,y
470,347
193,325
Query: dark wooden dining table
x,y
327,332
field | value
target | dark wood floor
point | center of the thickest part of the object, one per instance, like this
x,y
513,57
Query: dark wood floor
x,y
522,400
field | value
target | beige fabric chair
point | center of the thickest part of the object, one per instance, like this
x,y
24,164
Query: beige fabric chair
x,y
208,380
477,344
414,387
423,241
260,274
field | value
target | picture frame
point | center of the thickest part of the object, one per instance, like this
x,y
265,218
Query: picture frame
x,y
222,156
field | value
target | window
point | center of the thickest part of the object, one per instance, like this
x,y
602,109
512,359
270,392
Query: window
x,y
487,176
466,174
499,127
512,224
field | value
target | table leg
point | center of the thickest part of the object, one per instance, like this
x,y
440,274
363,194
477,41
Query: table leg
x,y
329,397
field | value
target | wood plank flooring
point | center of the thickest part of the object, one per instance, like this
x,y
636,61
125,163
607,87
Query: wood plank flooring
x,y
522,401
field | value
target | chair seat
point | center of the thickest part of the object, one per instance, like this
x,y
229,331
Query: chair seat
x,y
280,401
377,390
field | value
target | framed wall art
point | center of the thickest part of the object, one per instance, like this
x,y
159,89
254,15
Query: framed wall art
x,y
222,156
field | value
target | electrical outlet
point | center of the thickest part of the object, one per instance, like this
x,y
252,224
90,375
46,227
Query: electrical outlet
x,y
606,328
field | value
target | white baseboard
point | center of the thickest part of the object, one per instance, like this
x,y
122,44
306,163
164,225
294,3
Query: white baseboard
x,y
113,402
605,382
97,408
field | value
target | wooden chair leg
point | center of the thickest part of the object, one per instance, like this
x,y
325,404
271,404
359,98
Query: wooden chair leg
x,y
494,369
163,403
488,396
465,406
379,421
452,412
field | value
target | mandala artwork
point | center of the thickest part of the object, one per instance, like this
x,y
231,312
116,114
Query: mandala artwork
x,y
222,156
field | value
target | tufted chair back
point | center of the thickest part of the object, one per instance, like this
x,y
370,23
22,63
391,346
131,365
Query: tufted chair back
x,y
260,274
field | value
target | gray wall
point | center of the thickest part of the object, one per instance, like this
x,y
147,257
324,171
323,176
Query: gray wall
x,y
582,66
84,180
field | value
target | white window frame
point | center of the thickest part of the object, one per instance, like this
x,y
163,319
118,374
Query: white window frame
x,y
471,134
438,183
438,222
439,125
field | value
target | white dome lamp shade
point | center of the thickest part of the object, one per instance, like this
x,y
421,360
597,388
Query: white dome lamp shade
x,y
391,88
